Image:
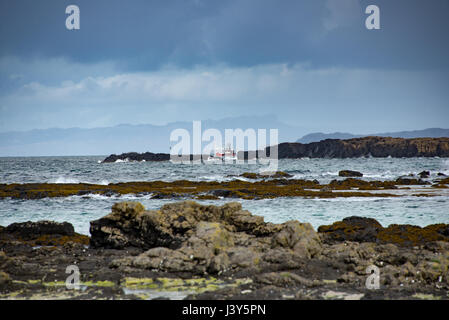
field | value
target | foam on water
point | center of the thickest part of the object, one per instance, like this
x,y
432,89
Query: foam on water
x,y
68,180
64,180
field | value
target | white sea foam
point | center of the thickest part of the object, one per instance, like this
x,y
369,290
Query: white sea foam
x,y
95,196
64,180
330,173
214,177
352,199
68,180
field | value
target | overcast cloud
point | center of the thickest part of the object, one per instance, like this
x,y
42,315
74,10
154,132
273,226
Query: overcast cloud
x,y
312,63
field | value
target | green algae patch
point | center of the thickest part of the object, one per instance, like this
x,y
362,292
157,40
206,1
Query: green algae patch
x,y
328,281
423,296
11,295
35,281
196,285
139,283
105,283
54,284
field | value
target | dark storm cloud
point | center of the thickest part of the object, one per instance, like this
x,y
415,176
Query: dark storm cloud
x,y
144,35
312,63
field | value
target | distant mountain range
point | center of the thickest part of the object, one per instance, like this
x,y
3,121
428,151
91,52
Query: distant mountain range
x,y
156,138
426,133
124,138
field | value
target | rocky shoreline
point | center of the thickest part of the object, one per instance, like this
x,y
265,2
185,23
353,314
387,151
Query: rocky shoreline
x,y
330,148
186,250
278,185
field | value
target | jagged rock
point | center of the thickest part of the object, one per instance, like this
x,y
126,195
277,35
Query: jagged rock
x,y
300,237
33,229
352,229
410,181
4,279
283,279
366,147
187,236
369,230
119,229
222,193
352,254
408,235
2,257
168,227
398,265
273,175
350,173
424,174
48,233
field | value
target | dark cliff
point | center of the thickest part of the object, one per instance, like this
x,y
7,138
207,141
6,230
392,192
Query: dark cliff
x,y
367,146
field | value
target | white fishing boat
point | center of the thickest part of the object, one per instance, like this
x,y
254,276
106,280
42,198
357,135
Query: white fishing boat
x,y
226,155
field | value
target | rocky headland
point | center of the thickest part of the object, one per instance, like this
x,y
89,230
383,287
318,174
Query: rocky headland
x,y
367,147
331,148
193,251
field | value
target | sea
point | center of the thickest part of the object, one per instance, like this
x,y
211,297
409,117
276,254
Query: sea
x,y
80,210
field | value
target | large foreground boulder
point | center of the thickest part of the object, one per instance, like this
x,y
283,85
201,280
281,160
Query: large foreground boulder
x,y
188,236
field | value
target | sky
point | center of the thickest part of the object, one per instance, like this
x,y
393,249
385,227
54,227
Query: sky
x,y
313,63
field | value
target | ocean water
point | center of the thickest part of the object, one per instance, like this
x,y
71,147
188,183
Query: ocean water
x,y
80,210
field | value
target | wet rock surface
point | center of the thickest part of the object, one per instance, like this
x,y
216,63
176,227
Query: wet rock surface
x,y
272,175
134,156
41,233
349,173
194,251
362,229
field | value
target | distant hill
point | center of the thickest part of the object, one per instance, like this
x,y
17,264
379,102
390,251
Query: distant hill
x,y
426,133
124,138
